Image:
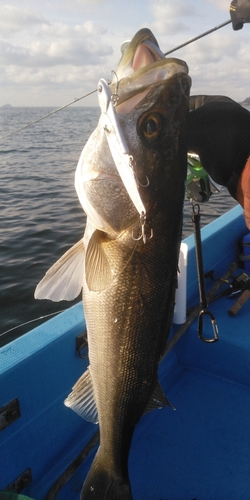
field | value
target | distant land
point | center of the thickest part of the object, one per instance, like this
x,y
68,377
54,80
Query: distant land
x,y
246,102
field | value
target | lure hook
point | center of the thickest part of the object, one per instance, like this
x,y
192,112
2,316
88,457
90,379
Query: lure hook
x,y
115,96
143,235
132,164
143,185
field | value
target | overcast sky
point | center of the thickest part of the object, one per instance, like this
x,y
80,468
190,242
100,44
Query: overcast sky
x,y
52,51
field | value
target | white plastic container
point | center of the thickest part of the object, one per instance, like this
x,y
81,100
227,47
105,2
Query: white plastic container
x,y
181,292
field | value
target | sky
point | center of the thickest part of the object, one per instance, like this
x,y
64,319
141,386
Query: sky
x,y
55,51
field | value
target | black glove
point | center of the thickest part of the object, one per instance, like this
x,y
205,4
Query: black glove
x,y
240,13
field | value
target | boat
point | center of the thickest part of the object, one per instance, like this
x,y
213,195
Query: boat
x,y
199,451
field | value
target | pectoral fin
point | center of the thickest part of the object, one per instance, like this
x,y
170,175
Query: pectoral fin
x,y
63,281
82,398
97,268
157,400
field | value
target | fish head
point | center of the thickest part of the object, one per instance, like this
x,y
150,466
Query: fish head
x,y
151,95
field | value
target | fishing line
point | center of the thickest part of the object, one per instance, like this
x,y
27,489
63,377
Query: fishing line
x,y
31,321
48,114
93,91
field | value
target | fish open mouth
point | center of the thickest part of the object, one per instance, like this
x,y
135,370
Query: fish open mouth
x,y
142,66
146,53
139,52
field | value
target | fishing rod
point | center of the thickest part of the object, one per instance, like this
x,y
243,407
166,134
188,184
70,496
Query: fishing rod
x,y
95,90
198,37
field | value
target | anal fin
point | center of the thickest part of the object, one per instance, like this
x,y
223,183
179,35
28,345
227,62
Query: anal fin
x,y
157,400
82,398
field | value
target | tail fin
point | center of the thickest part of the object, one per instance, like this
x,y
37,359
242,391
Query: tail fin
x,y
100,486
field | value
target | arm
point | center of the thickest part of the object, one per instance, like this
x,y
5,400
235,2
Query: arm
x,y
240,13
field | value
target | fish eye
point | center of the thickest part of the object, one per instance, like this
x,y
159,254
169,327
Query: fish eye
x,y
149,126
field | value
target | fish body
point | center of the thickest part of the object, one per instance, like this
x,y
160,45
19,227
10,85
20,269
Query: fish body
x,y
129,261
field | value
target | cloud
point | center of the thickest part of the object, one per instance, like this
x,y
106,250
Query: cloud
x,y
214,49
77,4
57,44
223,5
14,20
36,54
170,17
215,65
50,50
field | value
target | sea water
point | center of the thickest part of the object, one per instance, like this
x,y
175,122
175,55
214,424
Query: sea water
x,y
40,215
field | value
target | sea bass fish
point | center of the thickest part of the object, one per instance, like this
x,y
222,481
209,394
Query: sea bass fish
x,y
127,262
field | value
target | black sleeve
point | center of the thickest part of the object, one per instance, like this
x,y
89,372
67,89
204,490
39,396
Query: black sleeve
x,y
240,13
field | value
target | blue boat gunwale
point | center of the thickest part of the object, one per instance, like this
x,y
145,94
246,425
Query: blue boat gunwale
x,y
30,343
73,317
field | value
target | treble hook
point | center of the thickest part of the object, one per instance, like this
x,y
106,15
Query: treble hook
x,y
143,235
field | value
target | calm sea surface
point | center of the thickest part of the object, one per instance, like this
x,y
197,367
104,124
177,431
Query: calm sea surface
x,y
40,215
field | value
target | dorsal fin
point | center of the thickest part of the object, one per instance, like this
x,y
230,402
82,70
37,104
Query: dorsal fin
x,y
63,281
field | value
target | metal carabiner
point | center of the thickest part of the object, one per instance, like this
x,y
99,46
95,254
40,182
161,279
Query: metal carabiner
x,y
202,313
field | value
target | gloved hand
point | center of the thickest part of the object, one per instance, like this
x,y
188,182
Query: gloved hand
x,y
240,13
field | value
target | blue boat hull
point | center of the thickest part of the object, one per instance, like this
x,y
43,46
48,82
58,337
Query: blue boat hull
x,y
200,451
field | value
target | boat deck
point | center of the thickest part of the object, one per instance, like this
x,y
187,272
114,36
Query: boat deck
x,y
200,451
